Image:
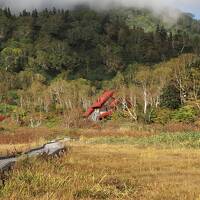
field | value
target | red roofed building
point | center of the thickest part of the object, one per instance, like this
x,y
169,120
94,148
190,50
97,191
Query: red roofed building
x,y
101,108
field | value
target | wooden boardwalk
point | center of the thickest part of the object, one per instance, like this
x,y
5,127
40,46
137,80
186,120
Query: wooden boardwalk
x,y
49,149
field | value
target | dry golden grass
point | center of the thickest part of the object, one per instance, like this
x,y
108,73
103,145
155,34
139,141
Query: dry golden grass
x,y
26,135
108,172
133,130
176,127
18,139
14,139
111,132
14,149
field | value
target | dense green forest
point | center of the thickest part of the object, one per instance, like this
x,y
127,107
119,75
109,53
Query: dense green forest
x,y
58,60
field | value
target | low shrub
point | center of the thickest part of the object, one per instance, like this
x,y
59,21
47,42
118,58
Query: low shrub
x,y
185,114
6,109
163,116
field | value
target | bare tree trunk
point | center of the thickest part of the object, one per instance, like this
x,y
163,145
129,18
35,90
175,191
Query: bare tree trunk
x,y
145,99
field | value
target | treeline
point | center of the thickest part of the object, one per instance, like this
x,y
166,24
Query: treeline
x,y
165,92
85,43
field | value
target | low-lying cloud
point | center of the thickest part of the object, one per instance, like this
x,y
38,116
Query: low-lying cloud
x,y
157,6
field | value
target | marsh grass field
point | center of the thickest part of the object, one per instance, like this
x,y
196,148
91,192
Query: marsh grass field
x,y
121,166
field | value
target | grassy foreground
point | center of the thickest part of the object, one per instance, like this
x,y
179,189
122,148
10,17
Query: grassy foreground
x,y
162,140
100,169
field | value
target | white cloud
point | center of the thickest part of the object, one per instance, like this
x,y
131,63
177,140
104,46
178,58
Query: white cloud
x,y
158,6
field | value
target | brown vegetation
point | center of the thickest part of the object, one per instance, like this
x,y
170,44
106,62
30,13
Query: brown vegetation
x,y
108,172
16,139
26,135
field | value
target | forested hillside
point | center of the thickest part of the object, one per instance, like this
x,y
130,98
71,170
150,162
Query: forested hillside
x,y
57,60
88,44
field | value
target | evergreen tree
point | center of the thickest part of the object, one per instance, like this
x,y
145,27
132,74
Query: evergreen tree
x,y
170,97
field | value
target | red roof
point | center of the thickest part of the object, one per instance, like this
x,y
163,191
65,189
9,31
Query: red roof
x,y
114,103
103,99
106,114
2,118
88,112
99,103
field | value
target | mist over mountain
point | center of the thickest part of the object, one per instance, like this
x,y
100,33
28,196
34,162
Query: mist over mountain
x,y
169,9
91,44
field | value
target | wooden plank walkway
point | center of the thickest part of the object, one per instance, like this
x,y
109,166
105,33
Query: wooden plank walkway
x,y
6,163
49,149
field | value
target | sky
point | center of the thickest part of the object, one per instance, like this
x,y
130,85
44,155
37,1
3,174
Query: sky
x,y
192,6
156,5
